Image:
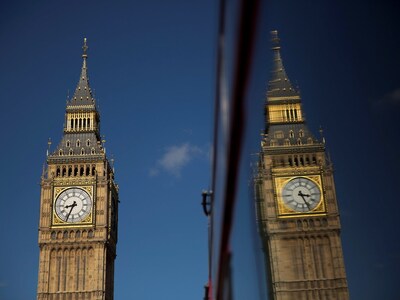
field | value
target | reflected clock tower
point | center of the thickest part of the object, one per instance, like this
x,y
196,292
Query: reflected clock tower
x,y
78,207
296,201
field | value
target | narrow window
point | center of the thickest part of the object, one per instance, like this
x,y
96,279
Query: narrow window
x,y
69,171
72,123
84,123
87,170
78,143
71,152
301,133
68,143
291,134
80,123
88,143
82,151
82,171
60,152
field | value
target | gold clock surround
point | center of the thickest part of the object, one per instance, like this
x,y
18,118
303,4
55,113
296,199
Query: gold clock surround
x,y
57,222
284,211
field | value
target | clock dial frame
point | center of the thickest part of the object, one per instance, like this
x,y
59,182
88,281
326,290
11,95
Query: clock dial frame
x,y
299,195
73,205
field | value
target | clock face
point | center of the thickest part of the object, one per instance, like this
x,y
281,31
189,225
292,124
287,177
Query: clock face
x,y
73,205
301,194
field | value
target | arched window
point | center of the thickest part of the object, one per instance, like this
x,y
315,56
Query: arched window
x,y
93,151
87,170
78,143
68,143
70,171
314,160
58,171
84,123
298,141
72,123
88,123
301,133
80,123
71,152
291,133
64,171
60,152
82,171
88,143
82,151
76,171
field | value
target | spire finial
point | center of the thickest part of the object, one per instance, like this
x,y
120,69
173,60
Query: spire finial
x,y
85,47
275,40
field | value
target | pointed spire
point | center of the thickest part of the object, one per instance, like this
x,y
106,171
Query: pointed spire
x,y
279,85
83,94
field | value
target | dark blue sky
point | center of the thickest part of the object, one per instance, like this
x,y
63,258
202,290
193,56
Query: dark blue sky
x,y
152,68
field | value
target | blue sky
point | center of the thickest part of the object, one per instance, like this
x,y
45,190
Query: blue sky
x,y
152,66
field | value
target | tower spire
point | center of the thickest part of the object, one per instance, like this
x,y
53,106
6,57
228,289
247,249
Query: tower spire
x,y
279,85
83,93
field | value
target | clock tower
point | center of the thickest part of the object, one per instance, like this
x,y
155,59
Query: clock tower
x,y
78,207
296,201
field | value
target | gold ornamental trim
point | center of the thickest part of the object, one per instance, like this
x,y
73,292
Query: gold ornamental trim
x,y
286,212
88,221
74,181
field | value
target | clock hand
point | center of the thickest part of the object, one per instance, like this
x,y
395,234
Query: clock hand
x,y
302,196
72,207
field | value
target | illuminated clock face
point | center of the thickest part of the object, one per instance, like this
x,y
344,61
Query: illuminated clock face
x,y
301,194
73,205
